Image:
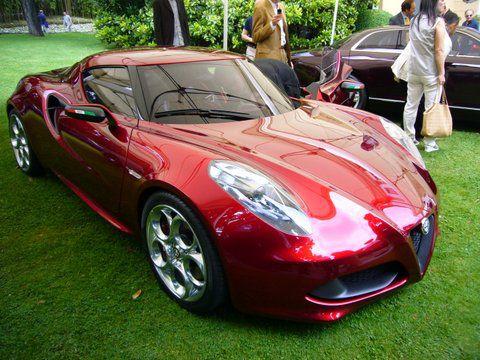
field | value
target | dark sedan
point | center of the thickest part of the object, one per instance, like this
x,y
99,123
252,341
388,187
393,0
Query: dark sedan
x,y
372,52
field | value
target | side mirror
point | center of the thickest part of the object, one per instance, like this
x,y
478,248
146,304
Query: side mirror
x,y
86,113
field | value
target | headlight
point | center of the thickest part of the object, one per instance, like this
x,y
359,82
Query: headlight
x,y
263,197
402,138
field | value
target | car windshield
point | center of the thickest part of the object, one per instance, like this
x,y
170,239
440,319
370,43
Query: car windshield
x,y
210,91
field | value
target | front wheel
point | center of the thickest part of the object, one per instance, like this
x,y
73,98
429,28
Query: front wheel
x,y
358,99
26,159
181,254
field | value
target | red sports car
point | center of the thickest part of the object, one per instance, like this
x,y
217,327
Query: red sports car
x,y
303,213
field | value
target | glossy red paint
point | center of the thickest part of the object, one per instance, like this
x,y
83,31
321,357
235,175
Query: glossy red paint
x,y
362,202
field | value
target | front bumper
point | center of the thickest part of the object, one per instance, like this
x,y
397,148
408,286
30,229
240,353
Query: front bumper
x,y
284,280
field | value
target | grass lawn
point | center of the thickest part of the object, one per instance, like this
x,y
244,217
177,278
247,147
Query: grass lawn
x,y
67,277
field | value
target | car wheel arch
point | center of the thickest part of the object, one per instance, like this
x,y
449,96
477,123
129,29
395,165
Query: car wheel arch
x,y
161,186
10,108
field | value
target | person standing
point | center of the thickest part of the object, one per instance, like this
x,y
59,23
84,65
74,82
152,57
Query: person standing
x,y
170,23
247,37
270,31
43,21
451,21
67,21
470,21
404,16
429,44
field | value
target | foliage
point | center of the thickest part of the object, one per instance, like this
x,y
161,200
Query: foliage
x,y
120,7
310,22
368,19
124,30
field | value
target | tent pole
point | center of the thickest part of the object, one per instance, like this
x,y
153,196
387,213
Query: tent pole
x,y
225,25
335,12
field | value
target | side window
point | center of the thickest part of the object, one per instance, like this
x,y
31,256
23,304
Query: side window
x,y
465,45
380,40
403,40
110,87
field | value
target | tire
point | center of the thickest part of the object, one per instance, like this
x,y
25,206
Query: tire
x,y
177,244
24,155
362,95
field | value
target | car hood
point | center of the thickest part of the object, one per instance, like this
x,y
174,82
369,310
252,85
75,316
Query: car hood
x,y
329,148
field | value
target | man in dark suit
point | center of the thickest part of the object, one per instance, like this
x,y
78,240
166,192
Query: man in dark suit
x,y
170,23
404,16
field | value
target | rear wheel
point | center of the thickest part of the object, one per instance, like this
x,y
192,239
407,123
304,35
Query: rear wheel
x,y
181,254
26,159
358,99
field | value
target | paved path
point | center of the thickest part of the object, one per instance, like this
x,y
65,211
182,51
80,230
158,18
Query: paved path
x,y
52,29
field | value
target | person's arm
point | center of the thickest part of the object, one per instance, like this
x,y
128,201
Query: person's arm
x,y
262,28
439,46
245,36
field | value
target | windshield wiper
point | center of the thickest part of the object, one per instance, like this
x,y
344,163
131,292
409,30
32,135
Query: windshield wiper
x,y
218,114
192,90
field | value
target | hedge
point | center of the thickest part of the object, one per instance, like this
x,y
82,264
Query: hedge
x,y
310,23
368,19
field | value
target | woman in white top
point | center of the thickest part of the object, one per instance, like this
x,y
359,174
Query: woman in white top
x,y
430,45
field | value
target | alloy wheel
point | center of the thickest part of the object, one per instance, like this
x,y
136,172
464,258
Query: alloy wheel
x,y
18,139
176,253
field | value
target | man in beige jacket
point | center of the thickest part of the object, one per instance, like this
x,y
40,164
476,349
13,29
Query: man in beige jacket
x,y
270,31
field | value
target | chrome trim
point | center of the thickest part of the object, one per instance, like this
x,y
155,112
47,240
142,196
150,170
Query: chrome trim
x,y
463,108
134,174
386,100
354,47
402,102
468,65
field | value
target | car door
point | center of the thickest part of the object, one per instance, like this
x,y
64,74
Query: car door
x,y
372,57
98,151
463,72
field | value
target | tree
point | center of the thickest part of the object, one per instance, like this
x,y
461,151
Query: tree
x,y
30,12
68,6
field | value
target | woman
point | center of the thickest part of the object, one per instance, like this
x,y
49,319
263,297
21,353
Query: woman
x,y
429,46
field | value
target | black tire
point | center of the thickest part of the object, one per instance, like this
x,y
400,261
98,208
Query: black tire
x,y
32,167
215,292
362,103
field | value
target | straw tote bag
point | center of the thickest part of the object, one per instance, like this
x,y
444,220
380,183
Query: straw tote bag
x,y
437,121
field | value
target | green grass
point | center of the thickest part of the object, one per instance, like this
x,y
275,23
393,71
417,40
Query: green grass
x,y
67,277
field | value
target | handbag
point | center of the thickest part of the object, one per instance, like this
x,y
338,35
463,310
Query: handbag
x,y
401,65
437,121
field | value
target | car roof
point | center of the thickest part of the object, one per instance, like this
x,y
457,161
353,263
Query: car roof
x,y
156,56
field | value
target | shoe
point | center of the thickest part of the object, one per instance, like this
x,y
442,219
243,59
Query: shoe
x,y
431,148
414,140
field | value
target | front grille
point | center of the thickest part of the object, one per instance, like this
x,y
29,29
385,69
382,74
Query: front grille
x,y
359,283
422,243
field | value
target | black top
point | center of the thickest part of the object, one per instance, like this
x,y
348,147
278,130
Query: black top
x,y
249,27
281,74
